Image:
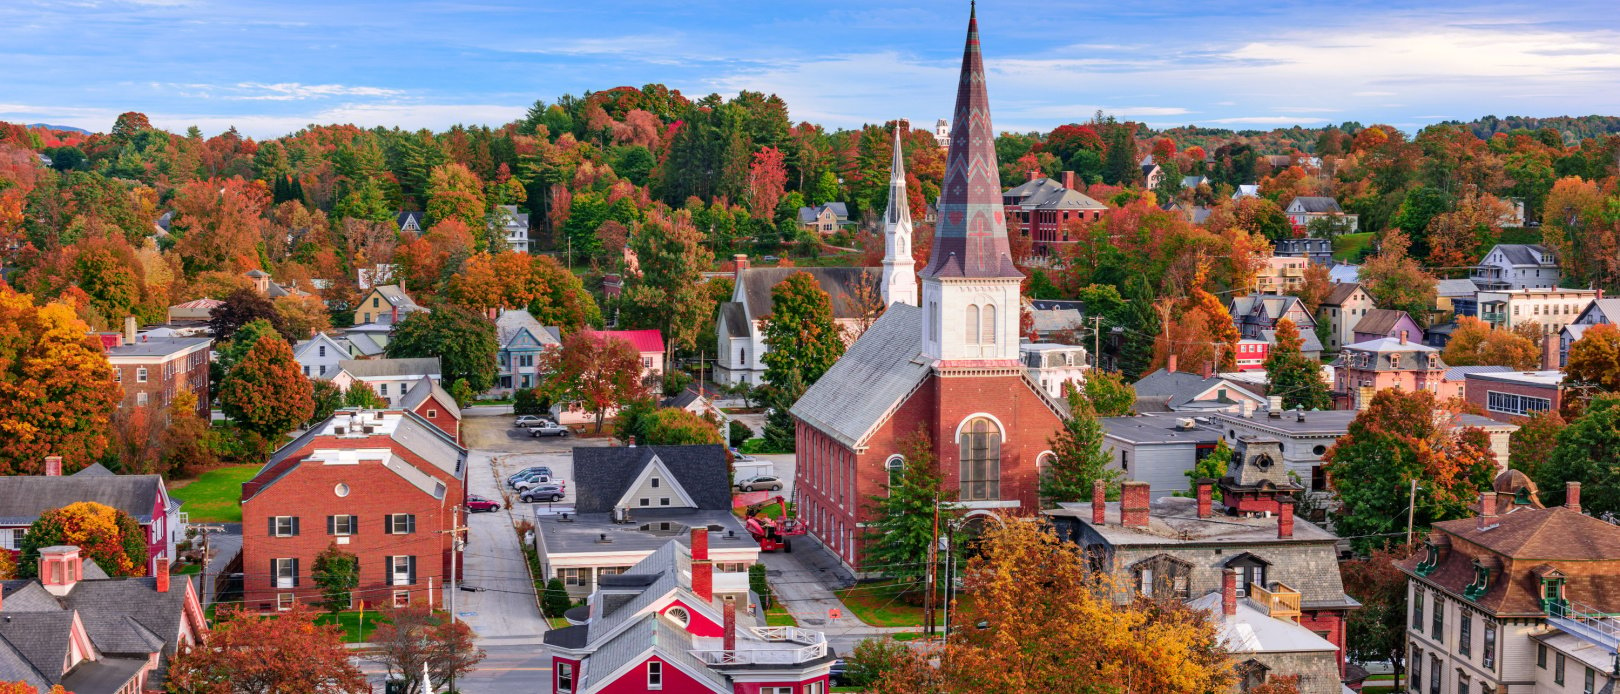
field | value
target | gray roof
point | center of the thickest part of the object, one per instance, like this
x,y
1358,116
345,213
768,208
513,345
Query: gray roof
x,y
157,346
1455,288
1316,204
838,282
1380,321
363,344
425,388
1151,429
512,322
1458,373
128,616
582,532
413,432
384,368
1308,340
396,297
1609,309
1050,194
14,667
872,378
1176,388
1522,253
809,214
95,470
602,475
1330,422
40,638
23,499
1344,272
735,318
1273,306
108,675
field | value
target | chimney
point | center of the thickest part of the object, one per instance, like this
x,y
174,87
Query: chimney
x,y
741,261
1209,369
1099,502
1229,592
1068,180
1549,352
1403,337
1033,174
1171,364
53,466
632,443
161,573
129,330
1487,510
1572,496
1206,498
1285,519
730,615
1133,505
702,569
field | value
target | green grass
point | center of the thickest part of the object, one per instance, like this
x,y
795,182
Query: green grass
x,y
350,622
186,569
215,497
1347,246
829,260
558,622
879,604
778,616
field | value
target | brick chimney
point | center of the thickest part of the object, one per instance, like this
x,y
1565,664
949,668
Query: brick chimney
x,y
1133,505
161,573
129,330
741,261
702,568
730,615
1403,337
1285,519
1229,592
1206,498
1487,510
1549,352
1068,180
1033,174
1209,369
1171,364
1572,496
53,466
1099,502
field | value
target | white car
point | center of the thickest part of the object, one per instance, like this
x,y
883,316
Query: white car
x,y
529,421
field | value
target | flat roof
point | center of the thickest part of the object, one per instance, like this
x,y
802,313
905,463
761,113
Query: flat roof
x,y
1163,429
646,531
158,346
1174,520
1325,422
1537,378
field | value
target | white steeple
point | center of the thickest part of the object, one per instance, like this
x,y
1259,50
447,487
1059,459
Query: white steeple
x,y
899,270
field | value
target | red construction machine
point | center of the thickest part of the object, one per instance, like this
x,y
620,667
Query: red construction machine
x,y
773,533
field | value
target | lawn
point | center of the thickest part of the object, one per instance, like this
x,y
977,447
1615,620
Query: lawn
x,y
879,604
1347,246
215,497
353,630
757,445
778,616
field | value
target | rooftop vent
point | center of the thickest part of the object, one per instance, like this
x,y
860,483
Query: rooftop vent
x,y
339,430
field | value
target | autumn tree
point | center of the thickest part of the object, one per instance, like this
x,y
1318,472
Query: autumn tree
x,y
302,315
538,283
1044,624
217,222
337,573
328,398
1594,361
1291,375
1109,394
1376,633
248,653
901,531
1477,343
800,330
56,387
1585,453
1457,236
241,307
597,371
267,392
1399,438
416,637
454,192
22,687
105,534
1534,442
1395,280
673,426
1078,459
767,176
669,294
463,341
1581,228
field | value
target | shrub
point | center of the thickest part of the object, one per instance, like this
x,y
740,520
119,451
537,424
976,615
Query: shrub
x,y
872,658
555,600
739,433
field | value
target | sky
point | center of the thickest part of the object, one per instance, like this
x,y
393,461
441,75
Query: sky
x,y
270,68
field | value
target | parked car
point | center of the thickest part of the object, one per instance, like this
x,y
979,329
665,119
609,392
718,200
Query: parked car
x,y
770,259
835,674
528,477
524,485
543,492
760,483
529,420
531,470
548,429
477,503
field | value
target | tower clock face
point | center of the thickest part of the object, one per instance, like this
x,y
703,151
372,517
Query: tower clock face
x,y
1263,461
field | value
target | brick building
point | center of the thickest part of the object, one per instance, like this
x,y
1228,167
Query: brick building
x,y
949,367
153,370
1365,368
1509,395
382,485
1041,208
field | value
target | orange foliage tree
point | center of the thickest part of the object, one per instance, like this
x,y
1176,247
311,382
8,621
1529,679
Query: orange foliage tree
x,y
56,387
103,533
217,223
1476,343
266,392
268,654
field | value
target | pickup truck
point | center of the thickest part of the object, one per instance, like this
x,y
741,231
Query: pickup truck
x,y
548,429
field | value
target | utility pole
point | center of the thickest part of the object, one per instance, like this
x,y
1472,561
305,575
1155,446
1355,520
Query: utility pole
x,y
933,573
456,545
1411,509
1096,341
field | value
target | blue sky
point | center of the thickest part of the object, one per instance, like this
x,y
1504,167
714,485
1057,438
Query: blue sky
x,y
271,67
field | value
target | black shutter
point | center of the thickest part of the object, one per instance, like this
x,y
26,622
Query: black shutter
x,y
273,567
295,526
388,524
331,525
410,525
272,526
295,573
410,561
354,525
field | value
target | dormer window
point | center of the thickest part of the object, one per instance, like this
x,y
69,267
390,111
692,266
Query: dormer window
x,y
1394,361
1552,592
1430,560
1481,582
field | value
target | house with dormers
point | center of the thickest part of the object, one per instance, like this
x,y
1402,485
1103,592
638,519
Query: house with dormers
x,y
76,627
1256,317
385,305
1270,581
630,501
1600,312
321,356
1509,266
668,623
24,498
384,485
390,379
1521,597
521,340
824,219
1364,368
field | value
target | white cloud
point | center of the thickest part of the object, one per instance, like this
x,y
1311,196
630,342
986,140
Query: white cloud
x,y
292,91
1265,120
409,116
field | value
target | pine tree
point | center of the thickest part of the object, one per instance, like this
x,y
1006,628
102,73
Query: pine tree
x,y
1296,378
902,530
1078,459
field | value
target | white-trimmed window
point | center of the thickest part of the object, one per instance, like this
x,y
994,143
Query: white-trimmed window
x,y
118,375
981,460
971,325
655,674
402,570
382,389
11,538
565,678
1513,403
574,577
432,414
306,371
284,573
679,615
323,369
284,601
283,526
896,466
141,399
815,688
341,526
401,523
402,598
140,374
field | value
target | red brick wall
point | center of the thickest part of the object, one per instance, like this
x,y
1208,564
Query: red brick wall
x,y
1026,421
165,380
1475,389
433,411
1330,621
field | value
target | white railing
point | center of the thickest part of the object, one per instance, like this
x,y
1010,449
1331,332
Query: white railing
x,y
815,646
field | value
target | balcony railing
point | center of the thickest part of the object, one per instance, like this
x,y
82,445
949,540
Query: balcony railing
x,y
813,646
1279,601
1585,622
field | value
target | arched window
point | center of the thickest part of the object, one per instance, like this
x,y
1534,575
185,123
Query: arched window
x,y
972,325
1162,576
981,460
988,333
895,465
1043,463
679,615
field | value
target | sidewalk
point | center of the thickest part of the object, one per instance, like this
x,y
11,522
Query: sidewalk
x,y
803,581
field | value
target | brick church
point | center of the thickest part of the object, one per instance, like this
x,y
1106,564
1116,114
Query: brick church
x,y
947,364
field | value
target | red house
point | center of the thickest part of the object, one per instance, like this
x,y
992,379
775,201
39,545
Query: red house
x,y
23,498
382,485
949,367
662,626
1040,208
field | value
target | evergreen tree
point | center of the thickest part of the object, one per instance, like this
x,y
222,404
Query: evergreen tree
x,y
463,341
1078,459
1120,165
1294,377
337,573
902,530
1586,451
779,399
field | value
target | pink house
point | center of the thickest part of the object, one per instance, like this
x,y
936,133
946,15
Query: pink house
x,y
1364,368
650,343
664,625
24,498
1385,322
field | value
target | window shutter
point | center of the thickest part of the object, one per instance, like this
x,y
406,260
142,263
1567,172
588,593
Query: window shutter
x,y
388,524
295,526
271,525
274,573
410,561
354,525
295,573
331,525
410,523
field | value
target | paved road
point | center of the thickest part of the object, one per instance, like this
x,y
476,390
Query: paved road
x,y
224,543
505,670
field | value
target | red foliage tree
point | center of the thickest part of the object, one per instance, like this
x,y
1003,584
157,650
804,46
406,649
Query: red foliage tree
x,y
767,176
256,654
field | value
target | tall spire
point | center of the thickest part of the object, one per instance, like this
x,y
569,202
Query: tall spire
x,y
899,270
971,237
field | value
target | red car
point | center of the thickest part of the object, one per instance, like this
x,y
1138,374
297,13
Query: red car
x,y
477,503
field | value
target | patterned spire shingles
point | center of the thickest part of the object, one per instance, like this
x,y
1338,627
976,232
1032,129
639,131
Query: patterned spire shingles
x,y
970,239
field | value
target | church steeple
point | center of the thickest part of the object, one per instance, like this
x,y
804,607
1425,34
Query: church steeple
x,y
970,288
899,270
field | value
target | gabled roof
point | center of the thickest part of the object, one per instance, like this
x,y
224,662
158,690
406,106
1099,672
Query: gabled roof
x,y
41,639
363,344
200,303
1380,321
1177,388
1341,292
319,339
872,378
839,282
1532,254
1051,194
1308,341
407,216
514,322
1608,309
146,346
1527,536
386,368
735,318
645,341
408,429
396,297
1316,204
603,475
24,498
1455,288
1272,306
429,388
